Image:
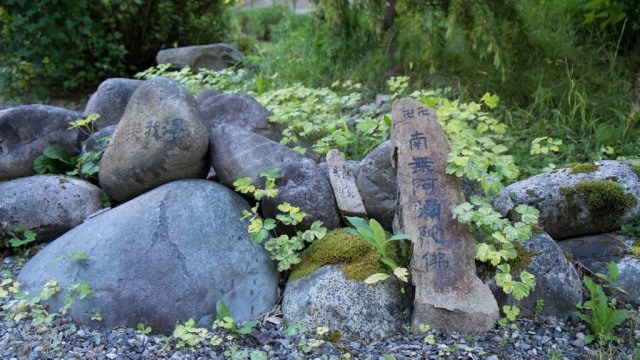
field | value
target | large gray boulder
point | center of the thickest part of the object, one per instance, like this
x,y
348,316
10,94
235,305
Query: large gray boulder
x,y
25,131
595,252
303,185
49,205
110,100
160,138
359,311
376,180
240,110
165,257
557,282
211,57
238,153
582,200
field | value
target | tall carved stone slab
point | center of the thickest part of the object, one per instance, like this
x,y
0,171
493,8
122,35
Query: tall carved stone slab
x,y
344,186
448,294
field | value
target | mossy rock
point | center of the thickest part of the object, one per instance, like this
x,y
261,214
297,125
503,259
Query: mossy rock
x,y
635,249
603,197
586,168
350,253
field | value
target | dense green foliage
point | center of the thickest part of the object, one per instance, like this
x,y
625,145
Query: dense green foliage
x,y
68,44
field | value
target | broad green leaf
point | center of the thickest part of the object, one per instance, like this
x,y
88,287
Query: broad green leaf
x,y
222,310
58,153
375,278
490,100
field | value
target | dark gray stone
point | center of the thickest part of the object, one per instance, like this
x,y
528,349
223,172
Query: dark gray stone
x,y
570,216
211,57
303,185
110,100
359,311
239,110
557,282
205,95
98,140
49,205
376,180
165,257
25,131
595,252
160,138
238,153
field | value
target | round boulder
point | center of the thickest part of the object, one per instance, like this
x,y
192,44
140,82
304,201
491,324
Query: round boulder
x,y
110,100
558,284
376,180
25,131
595,252
160,138
583,199
49,205
165,257
302,184
240,110
238,153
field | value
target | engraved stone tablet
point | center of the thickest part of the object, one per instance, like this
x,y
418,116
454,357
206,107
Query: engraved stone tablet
x,y
344,186
448,295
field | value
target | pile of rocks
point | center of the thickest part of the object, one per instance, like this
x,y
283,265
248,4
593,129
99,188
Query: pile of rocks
x,y
175,243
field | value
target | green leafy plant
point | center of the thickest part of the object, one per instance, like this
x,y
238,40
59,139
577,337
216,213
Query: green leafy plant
x,y
375,235
284,249
599,311
510,313
225,321
632,228
539,306
298,333
188,335
17,238
57,160
76,291
498,236
142,329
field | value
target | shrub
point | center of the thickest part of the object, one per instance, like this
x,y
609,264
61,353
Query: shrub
x,y
67,44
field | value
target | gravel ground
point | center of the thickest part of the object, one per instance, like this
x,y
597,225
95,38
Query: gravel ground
x,y
541,338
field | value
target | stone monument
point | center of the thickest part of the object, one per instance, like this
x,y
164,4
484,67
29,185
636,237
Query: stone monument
x,y
448,294
344,186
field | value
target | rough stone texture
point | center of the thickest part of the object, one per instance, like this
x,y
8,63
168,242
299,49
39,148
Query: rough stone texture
x,y
344,186
25,131
162,258
205,95
239,110
237,153
557,282
376,180
449,294
358,311
594,252
49,205
110,100
303,185
563,217
160,138
97,139
212,57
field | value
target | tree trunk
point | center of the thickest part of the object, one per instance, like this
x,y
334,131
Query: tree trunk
x,y
388,16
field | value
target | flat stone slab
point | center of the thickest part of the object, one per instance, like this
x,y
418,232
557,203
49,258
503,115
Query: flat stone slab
x,y
344,186
449,295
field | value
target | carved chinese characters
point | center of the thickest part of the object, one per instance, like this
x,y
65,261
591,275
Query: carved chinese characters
x,y
448,293
160,138
344,186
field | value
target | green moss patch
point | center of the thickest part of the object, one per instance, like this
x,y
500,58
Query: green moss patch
x,y
352,254
635,167
635,249
523,260
603,197
582,167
